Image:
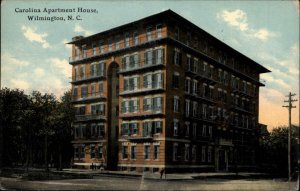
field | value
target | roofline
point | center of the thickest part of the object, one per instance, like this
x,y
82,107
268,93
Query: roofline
x,y
262,69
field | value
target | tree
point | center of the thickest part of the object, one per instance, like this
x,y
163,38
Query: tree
x,y
275,149
13,105
35,127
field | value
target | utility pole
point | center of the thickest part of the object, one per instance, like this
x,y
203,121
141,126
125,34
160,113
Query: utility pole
x,y
290,106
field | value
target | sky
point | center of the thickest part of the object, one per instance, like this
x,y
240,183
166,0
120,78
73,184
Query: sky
x,y
34,54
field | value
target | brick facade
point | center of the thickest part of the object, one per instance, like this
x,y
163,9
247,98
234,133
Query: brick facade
x,y
162,93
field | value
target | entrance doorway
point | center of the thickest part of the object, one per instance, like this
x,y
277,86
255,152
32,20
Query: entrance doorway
x,y
222,160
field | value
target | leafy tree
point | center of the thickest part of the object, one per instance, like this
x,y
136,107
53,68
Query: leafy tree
x,y
275,149
14,106
35,128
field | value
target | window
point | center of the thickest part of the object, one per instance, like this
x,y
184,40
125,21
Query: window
x,y
147,130
94,49
93,89
92,151
84,91
124,152
195,87
156,152
147,152
195,65
133,152
187,85
157,80
97,130
220,76
175,127
225,78
187,107
187,152
82,72
148,58
175,80
80,110
110,44
204,111
77,52
98,109
159,53
204,131
149,33
187,129
79,152
148,81
100,91
195,109
176,103
131,83
158,30
83,51
147,104
97,69
177,57
76,75
194,152
188,63
126,39
129,62
101,46
210,131
117,42
203,154
194,130
176,33
157,104
175,152
209,154
135,38
100,151
75,92
129,128
157,126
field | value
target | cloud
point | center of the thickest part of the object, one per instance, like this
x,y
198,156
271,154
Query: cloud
x,y
9,59
238,19
278,82
62,65
39,72
263,34
78,28
32,36
21,84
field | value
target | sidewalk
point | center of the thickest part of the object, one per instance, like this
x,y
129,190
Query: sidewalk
x,y
172,176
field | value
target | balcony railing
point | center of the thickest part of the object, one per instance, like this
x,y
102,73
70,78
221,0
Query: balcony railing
x,y
140,89
90,117
206,97
88,97
143,64
122,44
139,138
86,77
135,111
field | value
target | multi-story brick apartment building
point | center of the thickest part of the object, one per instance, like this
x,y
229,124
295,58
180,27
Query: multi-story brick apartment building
x,y
162,93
